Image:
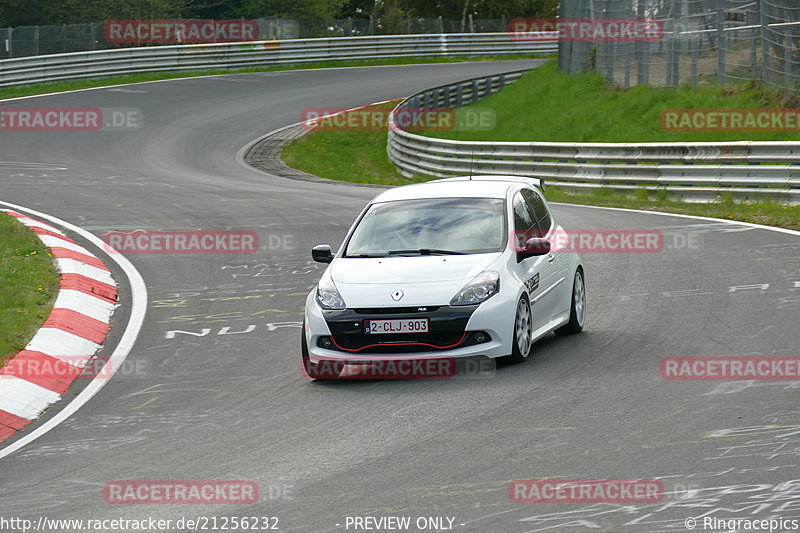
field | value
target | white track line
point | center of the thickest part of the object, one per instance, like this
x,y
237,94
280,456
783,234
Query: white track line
x,y
134,326
679,215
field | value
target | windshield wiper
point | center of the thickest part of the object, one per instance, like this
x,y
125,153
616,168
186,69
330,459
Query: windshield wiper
x,y
365,255
425,251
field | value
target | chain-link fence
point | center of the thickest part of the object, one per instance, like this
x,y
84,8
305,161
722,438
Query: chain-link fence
x,y
39,40
703,40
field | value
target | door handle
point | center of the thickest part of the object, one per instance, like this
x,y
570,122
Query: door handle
x,y
550,258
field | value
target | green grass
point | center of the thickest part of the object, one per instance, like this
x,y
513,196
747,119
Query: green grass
x,y
764,211
356,156
546,105
360,156
42,88
29,284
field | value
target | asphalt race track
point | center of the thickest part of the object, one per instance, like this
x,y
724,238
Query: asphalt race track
x,y
231,404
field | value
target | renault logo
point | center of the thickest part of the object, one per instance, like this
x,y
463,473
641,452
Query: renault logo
x,y
397,295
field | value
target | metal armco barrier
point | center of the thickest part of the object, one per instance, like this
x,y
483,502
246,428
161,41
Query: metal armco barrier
x,y
119,62
694,171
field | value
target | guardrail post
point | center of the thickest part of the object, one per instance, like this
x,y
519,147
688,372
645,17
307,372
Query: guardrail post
x,y
460,95
474,91
502,84
447,96
720,42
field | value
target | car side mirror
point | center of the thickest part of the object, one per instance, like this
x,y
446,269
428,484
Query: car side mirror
x,y
534,246
321,253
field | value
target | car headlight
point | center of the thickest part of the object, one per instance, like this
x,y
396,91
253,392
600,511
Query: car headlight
x,y
328,296
480,289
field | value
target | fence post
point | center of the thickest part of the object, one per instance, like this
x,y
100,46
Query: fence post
x,y
471,24
787,62
441,24
676,51
612,57
10,42
753,69
720,43
764,41
643,72
695,44
627,46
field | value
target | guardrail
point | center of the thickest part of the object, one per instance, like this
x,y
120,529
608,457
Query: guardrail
x,y
103,63
695,171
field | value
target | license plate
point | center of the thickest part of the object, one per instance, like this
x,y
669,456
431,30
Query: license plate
x,y
406,325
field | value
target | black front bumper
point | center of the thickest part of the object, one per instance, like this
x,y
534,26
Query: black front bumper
x,y
446,330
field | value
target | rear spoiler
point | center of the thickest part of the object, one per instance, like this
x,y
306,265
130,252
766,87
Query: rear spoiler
x,y
528,180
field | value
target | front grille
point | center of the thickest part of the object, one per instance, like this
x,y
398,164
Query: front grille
x,y
395,310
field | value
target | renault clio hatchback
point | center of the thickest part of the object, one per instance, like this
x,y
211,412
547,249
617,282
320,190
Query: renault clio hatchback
x,y
458,267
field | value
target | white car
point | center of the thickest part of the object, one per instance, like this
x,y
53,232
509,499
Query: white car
x,y
458,267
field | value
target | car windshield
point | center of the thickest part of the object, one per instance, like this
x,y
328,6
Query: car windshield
x,y
433,226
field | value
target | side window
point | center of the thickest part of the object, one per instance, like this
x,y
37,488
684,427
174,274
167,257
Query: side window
x,y
524,221
536,205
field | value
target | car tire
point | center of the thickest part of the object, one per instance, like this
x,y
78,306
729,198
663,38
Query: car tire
x,y
521,348
577,308
310,370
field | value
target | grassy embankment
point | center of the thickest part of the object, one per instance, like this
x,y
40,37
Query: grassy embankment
x,y
548,106
29,283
